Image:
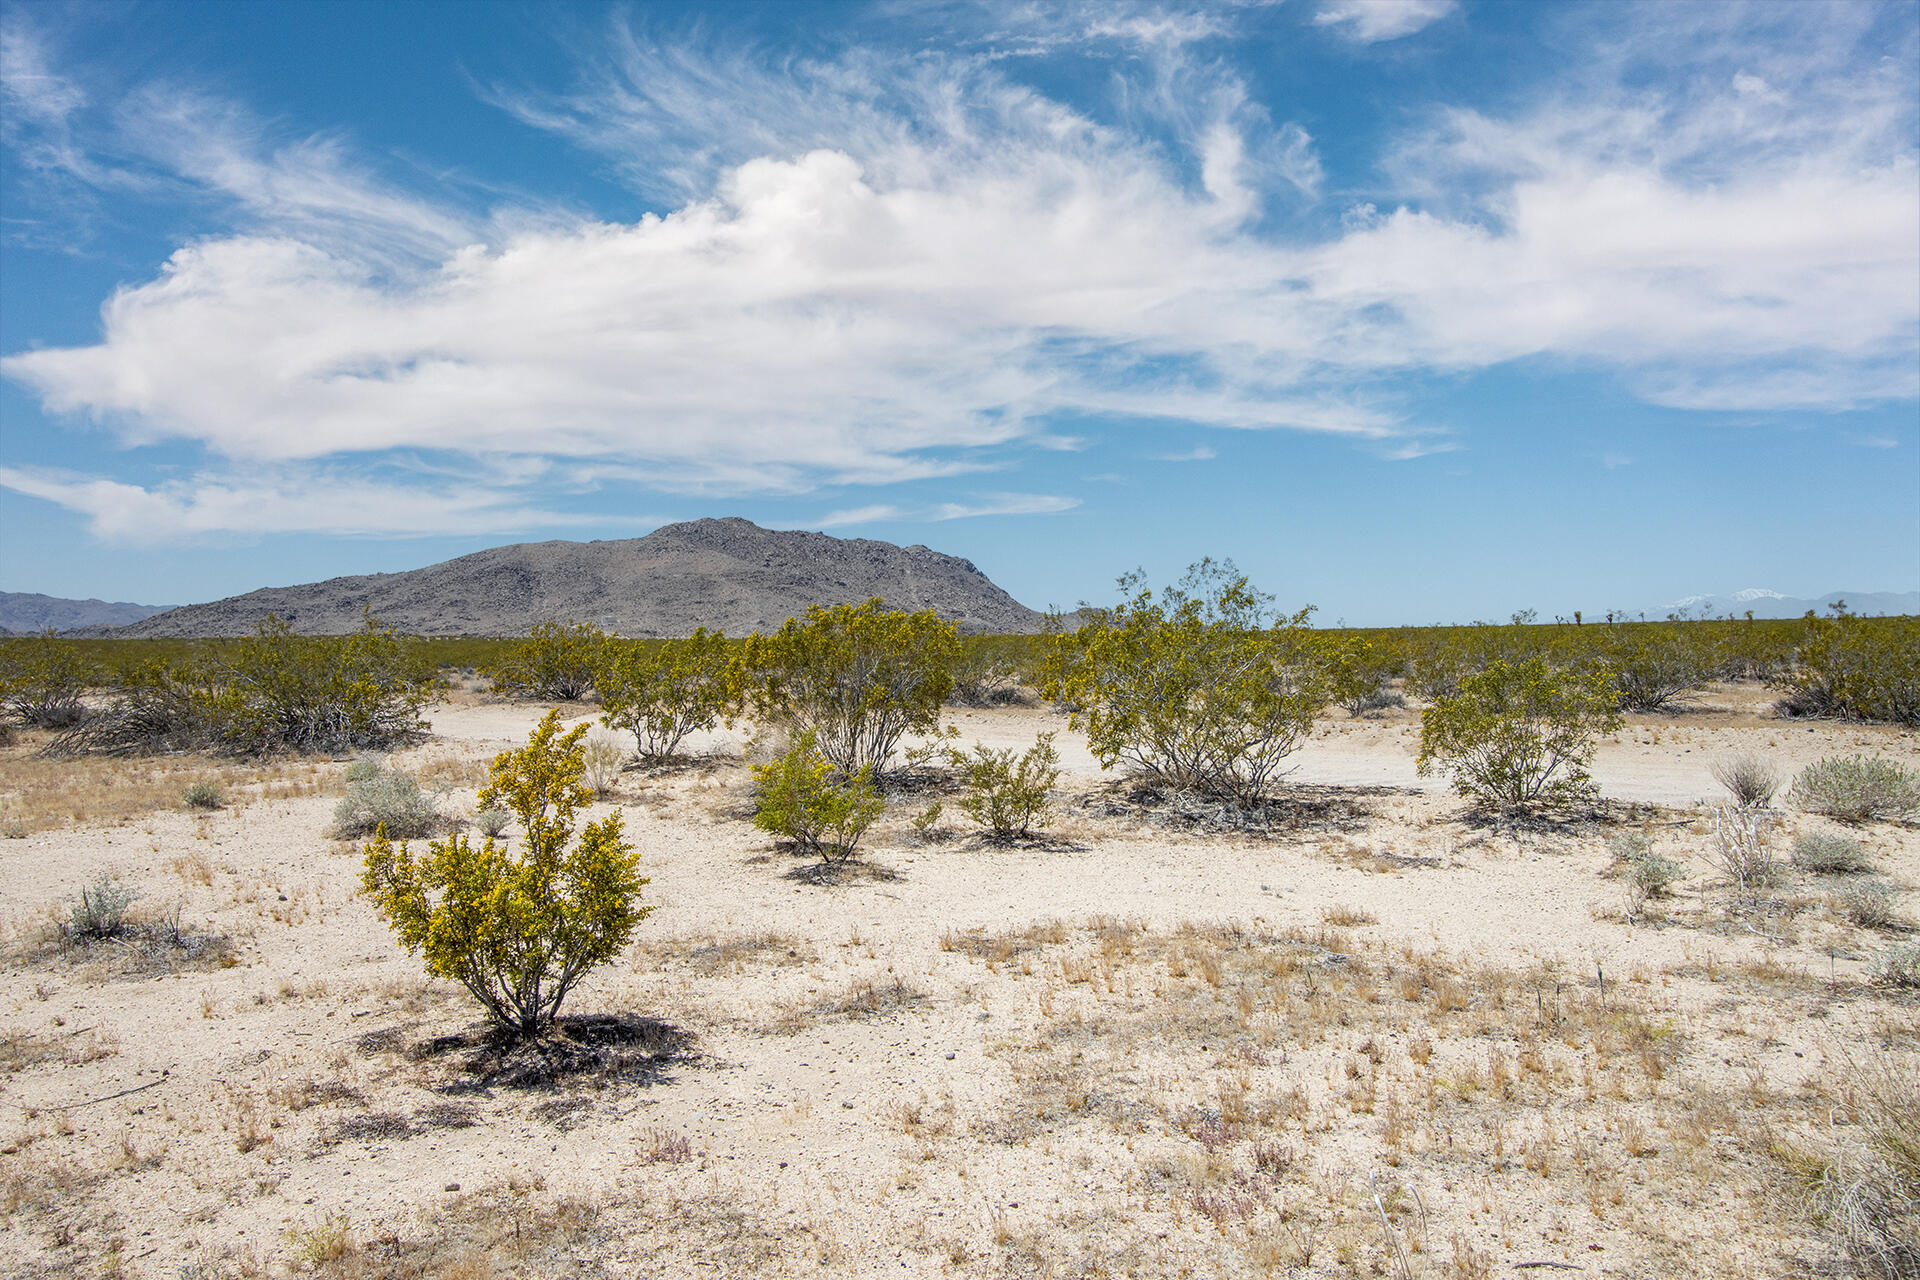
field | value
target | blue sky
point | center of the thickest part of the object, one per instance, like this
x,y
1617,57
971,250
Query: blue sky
x,y
1418,309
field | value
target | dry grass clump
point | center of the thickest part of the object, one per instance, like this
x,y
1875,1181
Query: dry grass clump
x,y
1010,944
735,953
40,794
1307,1102
1868,1194
869,997
1871,904
1827,854
1750,779
516,1229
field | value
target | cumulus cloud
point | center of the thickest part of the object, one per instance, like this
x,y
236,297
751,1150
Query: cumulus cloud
x,y
867,271
1369,21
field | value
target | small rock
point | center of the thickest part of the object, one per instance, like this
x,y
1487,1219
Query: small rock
x,y
452,1186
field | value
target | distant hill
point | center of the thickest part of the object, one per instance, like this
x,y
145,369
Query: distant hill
x,y
726,574
27,613
1771,604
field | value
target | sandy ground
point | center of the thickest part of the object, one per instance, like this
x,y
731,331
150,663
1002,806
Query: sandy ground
x,y
1385,1039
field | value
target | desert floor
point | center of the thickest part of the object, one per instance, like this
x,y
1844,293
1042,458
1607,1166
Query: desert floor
x,y
1376,1038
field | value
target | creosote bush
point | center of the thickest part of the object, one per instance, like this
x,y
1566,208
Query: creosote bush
x,y
662,692
558,662
1857,789
378,798
1750,779
1519,735
807,799
1856,668
857,679
1653,667
1007,794
518,928
41,680
1202,688
272,691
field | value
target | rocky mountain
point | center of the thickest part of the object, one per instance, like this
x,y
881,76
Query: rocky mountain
x,y
729,574
1772,604
28,612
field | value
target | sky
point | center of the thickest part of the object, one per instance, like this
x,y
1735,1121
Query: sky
x,y
1418,310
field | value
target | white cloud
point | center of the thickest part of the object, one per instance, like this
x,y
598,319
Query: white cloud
x,y
991,504
1369,21
188,510
874,271
1199,453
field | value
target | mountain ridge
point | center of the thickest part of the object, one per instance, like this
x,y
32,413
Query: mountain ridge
x,y
721,573
29,612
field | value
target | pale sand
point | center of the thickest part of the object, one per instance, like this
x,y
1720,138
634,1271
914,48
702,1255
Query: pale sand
x,y
1032,1114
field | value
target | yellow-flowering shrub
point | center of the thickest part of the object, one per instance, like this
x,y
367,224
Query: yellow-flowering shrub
x,y
1520,735
1202,688
517,927
662,692
857,677
805,798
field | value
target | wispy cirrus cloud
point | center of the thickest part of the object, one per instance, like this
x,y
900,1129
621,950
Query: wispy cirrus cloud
x,y
1370,21
196,508
990,504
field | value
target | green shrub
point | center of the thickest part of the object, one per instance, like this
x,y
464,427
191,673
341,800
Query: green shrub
x,y
1855,668
1520,735
987,670
203,795
805,798
518,930
1824,854
362,769
384,800
269,692
1007,794
1358,672
662,692
1750,779
1203,688
856,678
492,821
558,662
1654,666
1857,788
265,693
100,912
42,679
287,692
